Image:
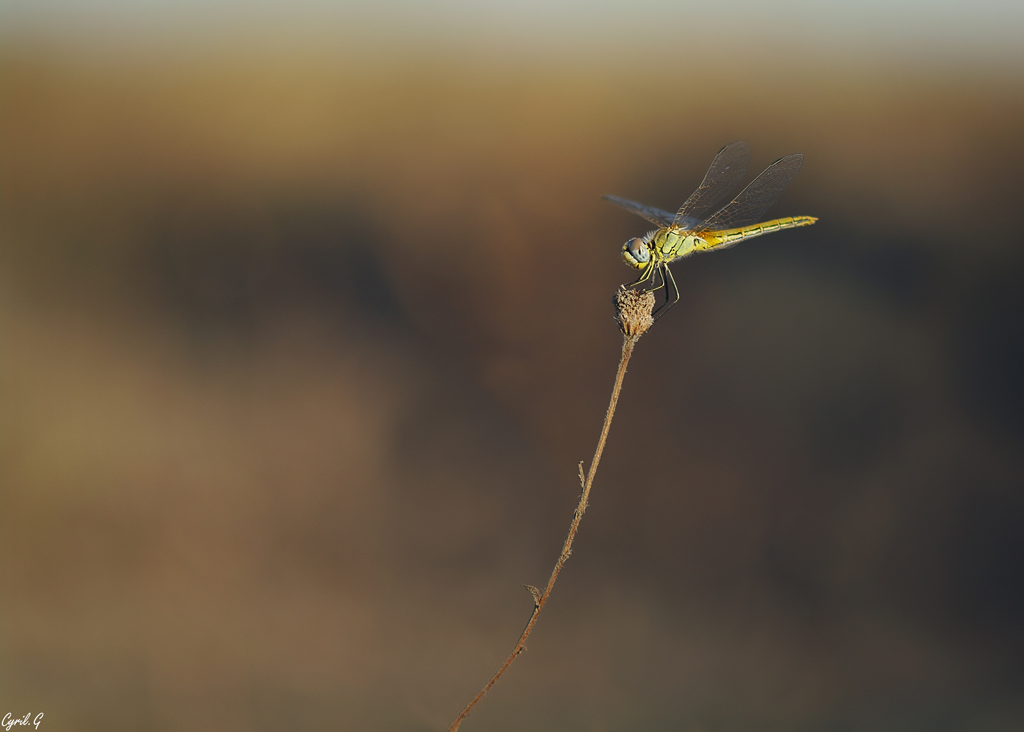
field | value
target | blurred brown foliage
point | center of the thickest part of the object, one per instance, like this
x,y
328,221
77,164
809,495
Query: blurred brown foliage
x,y
301,352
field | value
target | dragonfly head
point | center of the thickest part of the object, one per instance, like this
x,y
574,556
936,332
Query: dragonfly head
x,y
636,253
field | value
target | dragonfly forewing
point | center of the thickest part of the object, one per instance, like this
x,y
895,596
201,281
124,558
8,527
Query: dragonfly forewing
x,y
754,200
725,173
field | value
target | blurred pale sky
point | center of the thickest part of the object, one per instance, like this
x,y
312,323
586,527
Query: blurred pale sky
x,y
949,31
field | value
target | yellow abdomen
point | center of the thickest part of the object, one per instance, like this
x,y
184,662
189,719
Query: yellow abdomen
x,y
728,237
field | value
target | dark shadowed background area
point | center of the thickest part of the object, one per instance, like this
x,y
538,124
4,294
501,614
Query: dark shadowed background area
x,y
306,325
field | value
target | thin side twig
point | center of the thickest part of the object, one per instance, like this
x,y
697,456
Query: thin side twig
x,y
634,317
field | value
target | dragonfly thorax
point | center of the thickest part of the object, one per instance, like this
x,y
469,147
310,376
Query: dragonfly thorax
x,y
671,243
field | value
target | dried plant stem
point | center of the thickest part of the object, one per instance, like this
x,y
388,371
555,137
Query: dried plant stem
x,y
631,334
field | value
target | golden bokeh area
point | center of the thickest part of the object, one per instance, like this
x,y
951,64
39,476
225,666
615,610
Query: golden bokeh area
x,y
301,353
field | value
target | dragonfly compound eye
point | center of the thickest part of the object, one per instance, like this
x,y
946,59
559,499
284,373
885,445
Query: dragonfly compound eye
x,y
635,252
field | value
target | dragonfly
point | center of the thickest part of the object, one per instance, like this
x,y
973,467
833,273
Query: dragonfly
x,y
687,231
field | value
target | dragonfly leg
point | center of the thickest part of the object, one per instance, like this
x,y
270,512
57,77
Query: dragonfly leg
x,y
645,275
657,278
671,292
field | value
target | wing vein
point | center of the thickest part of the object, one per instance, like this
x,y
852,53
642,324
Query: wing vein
x,y
759,195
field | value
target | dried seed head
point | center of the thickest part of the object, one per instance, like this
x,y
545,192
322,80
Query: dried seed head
x,y
633,311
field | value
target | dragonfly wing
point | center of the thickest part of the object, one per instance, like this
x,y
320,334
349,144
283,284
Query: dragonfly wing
x,y
752,202
654,215
725,173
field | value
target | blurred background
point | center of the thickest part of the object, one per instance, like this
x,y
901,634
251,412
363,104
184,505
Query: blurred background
x,y
306,323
